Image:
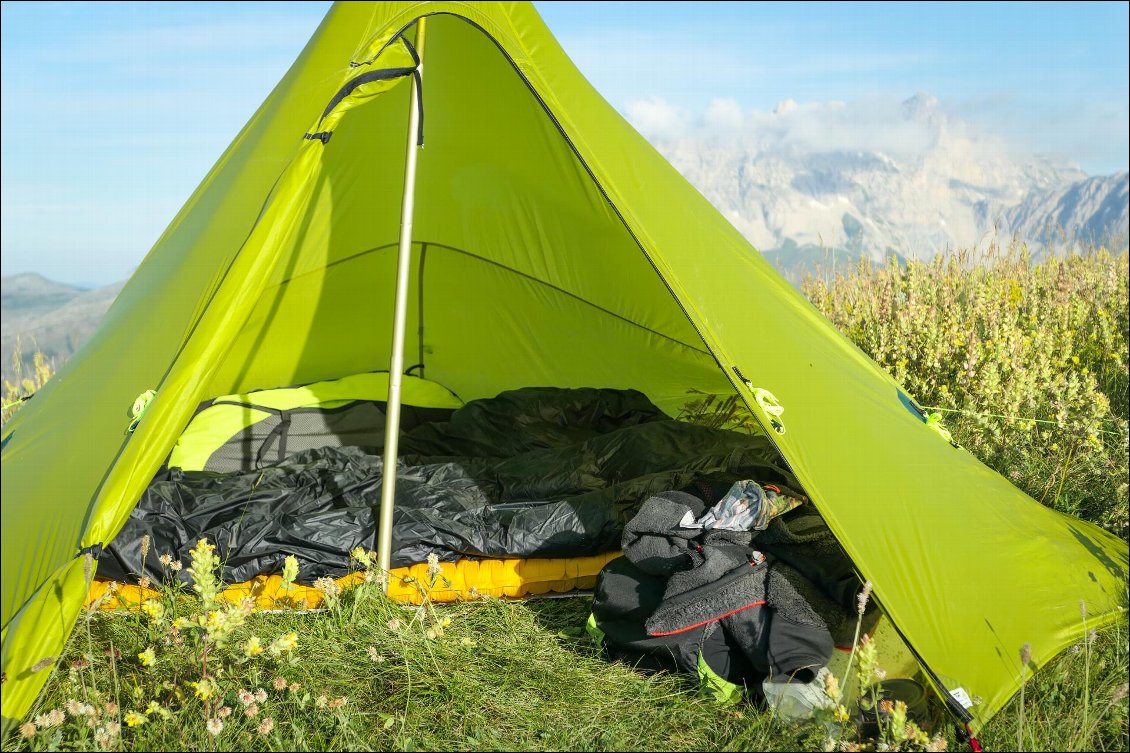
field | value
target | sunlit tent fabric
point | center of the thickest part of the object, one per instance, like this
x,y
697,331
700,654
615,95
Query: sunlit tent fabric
x,y
552,246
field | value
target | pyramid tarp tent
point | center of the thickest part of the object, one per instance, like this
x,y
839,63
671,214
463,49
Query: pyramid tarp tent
x,y
557,248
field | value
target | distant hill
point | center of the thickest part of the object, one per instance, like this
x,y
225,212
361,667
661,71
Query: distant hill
x,y
47,316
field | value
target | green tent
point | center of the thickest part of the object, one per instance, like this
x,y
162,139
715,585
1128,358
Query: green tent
x,y
550,245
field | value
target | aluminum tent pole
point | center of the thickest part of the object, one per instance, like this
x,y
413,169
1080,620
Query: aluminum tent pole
x,y
396,363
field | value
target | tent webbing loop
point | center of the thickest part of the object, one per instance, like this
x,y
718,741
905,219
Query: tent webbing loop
x,y
94,550
934,421
140,405
766,400
772,407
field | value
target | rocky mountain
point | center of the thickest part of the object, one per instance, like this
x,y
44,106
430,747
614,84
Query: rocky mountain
x,y
1093,209
808,184
39,314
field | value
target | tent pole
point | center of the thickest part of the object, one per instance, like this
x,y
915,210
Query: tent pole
x,y
396,363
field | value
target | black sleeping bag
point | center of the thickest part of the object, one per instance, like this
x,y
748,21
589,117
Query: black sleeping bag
x,y
535,472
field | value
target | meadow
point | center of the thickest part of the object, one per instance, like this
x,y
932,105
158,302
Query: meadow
x,y
1027,364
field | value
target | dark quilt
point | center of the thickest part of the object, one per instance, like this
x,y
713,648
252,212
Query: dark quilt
x,y
535,472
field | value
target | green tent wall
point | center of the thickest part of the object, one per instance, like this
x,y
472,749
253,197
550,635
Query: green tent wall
x,y
552,246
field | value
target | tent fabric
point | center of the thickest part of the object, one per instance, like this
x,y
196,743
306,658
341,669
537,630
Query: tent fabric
x,y
235,432
552,246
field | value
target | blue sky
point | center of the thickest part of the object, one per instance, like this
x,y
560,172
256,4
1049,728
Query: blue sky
x,y
112,113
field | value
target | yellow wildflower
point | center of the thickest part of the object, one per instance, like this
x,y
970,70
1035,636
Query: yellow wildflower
x,y
148,657
283,644
153,608
252,647
134,719
205,689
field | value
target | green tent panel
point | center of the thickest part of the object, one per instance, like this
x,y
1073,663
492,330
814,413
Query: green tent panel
x,y
552,246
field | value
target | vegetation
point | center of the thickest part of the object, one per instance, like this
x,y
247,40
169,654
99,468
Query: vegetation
x,y
25,385
1028,365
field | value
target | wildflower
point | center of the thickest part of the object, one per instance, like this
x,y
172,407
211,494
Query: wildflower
x,y
432,634
52,718
152,708
113,728
394,624
111,709
261,695
165,560
337,703
245,697
215,726
176,566
937,745
372,652
329,588
266,726
465,642
73,707
80,664
252,710
204,564
143,582
434,568
283,644
898,721
832,687
205,689
252,648
279,683
27,729
361,556
134,719
290,571
102,738
841,714
153,608
321,701
294,686
145,544
148,657
223,712
863,596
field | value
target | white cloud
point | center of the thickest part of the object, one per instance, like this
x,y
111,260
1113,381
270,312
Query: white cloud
x,y
724,115
657,119
900,129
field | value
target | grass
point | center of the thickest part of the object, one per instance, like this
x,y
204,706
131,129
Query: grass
x,y
1028,363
